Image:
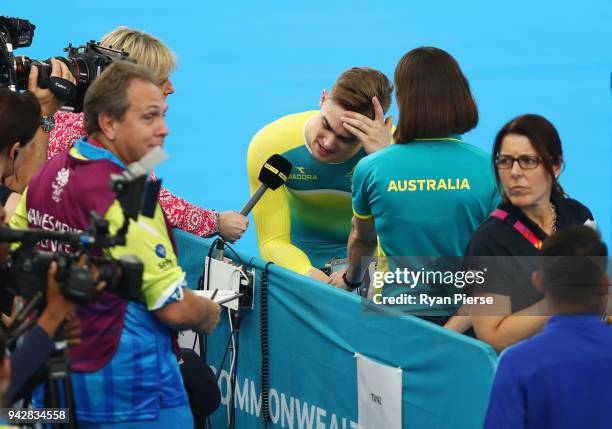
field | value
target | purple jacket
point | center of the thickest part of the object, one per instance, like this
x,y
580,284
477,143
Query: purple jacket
x,y
60,197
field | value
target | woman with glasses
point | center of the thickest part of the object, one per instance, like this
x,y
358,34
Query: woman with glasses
x,y
528,159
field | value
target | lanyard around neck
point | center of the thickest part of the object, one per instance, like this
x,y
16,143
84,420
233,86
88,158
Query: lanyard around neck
x,y
519,226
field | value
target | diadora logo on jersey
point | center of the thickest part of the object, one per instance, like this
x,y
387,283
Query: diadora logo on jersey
x,y
61,180
302,175
160,250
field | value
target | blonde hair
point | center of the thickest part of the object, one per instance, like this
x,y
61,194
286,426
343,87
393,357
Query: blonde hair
x,y
146,49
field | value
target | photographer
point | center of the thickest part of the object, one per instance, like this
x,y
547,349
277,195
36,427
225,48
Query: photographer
x,y
19,121
20,115
20,169
67,127
38,344
126,345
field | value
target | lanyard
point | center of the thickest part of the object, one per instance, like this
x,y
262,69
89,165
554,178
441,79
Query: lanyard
x,y
94,150
519,226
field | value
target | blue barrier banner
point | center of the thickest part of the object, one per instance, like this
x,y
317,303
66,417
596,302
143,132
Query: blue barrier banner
x,y
314,332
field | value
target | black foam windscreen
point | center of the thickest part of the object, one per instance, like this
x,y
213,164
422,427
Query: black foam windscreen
x,y
149,198
275,171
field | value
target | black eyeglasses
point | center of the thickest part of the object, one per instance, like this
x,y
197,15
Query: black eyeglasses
x,y
526,162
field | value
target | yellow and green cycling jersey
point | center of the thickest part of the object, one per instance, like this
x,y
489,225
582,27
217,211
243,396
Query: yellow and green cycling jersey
x,y
306,222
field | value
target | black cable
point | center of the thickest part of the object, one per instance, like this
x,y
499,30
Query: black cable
x,y
265,370
224,356
232,374
235,334
201,283
235,254
203,337
22,322
206,266
231,386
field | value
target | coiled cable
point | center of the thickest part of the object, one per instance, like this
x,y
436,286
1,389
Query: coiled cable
x,y
265,370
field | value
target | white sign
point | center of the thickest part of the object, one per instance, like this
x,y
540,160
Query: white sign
x,y
379,392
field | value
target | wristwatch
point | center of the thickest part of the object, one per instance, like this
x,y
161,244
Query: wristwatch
x,y
47,123
351,285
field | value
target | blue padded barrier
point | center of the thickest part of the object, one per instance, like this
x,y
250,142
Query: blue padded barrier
x,y
314,331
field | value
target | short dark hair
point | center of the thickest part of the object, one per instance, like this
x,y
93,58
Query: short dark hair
x,y
433,96
108,93
544,138
574,262
355,88
19,117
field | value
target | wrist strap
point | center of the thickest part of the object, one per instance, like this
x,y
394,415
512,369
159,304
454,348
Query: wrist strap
x,y
350,285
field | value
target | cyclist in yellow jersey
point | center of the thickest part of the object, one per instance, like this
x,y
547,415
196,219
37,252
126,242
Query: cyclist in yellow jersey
x,y
307,222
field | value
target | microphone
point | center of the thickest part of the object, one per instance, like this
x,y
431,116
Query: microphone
x,y
273,174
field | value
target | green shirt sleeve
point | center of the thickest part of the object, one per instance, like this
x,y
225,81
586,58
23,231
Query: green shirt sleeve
x,y
149,240
19,220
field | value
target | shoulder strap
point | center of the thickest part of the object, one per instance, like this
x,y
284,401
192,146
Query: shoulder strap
x,y
519,226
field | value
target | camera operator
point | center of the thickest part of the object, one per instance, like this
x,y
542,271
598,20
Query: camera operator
x,y
32,152
68,128
20,115
38,344
126,345
151,52
19,121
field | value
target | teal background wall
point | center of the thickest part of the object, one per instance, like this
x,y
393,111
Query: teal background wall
x,y
243,64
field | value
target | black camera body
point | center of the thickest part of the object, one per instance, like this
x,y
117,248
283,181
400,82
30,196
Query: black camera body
x,y
85,62
28,266
19,32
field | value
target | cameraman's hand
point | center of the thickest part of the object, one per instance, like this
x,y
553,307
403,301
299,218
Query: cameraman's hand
x,y
57,308
48,102
95,273
232,225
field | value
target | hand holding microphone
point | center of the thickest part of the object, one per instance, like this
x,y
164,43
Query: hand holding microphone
x,y
231,225
274,173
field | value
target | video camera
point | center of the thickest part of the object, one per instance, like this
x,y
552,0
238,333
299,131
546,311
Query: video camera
x,y
28,266
85,62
